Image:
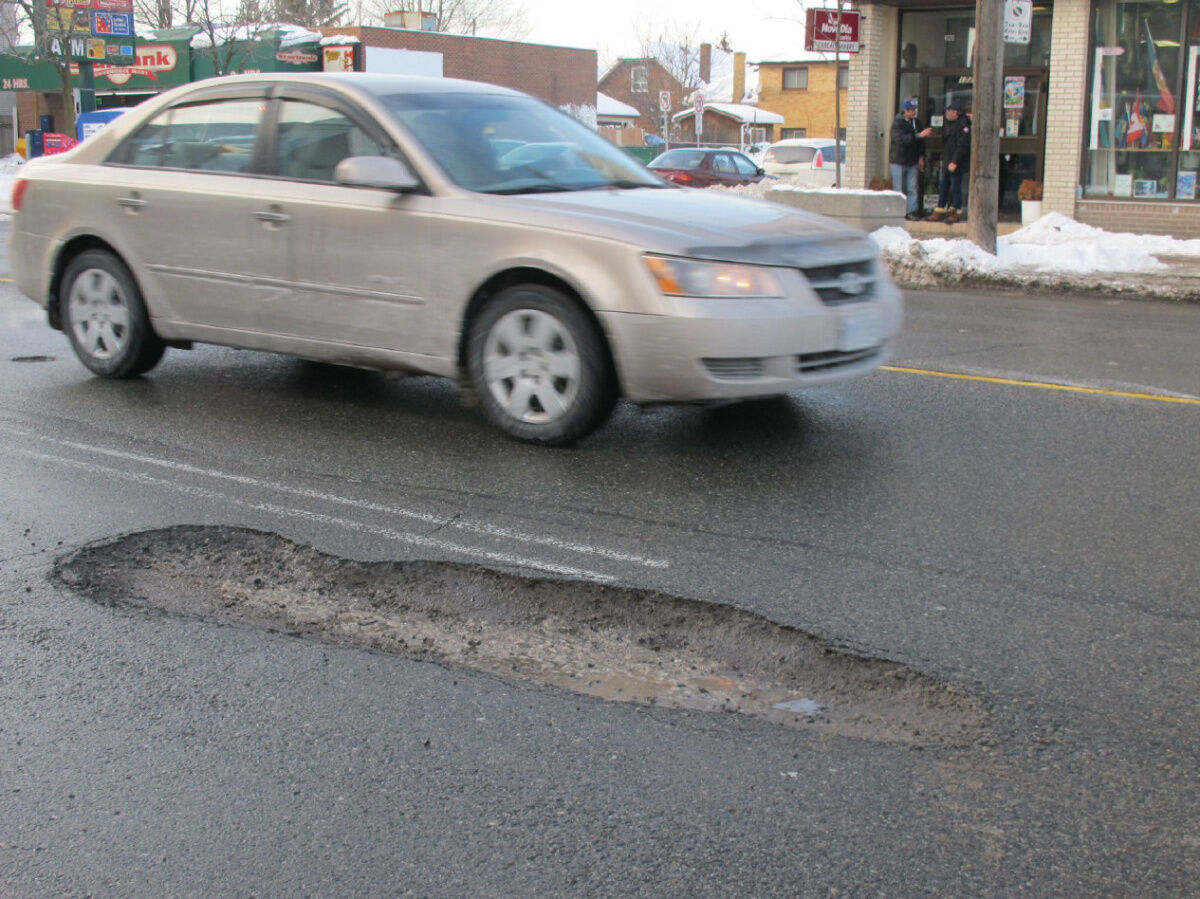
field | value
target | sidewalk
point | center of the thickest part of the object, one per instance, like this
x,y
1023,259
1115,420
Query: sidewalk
x,y
1054,254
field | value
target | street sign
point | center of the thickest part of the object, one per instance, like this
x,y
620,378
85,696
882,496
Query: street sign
x,y
664,101
821,31
1018,21
698,106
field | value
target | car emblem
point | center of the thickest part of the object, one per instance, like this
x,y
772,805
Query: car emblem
x,y
851,284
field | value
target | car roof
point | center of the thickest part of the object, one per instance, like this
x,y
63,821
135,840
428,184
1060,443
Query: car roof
x,y
805,142
372,82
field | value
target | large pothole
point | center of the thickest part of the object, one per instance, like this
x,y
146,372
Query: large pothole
x,y
608,642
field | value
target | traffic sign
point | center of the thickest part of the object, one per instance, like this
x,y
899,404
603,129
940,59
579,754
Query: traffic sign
x,y
664,101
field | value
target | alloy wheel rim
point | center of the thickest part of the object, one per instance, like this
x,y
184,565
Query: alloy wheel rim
x,y
531,366
99,314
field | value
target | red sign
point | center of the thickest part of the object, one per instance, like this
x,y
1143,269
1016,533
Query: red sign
x,y
57,143
821,31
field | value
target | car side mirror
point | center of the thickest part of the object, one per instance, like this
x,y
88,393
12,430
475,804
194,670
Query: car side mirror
x,y
383,172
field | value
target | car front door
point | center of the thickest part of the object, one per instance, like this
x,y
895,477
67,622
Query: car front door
x,y
356,264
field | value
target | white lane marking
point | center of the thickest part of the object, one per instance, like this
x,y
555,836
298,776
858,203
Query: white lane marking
x,y
271,508
428,518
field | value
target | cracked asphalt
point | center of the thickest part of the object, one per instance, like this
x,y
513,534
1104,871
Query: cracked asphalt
x,y
1034,548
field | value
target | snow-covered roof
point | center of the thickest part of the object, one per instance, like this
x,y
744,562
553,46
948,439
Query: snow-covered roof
x,y
739,112
613,108
289,35
338,40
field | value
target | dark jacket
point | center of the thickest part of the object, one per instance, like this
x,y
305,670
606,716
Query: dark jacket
x,y
906,147
956,143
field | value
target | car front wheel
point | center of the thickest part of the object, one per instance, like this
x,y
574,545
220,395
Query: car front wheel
x,y
540,366
106,319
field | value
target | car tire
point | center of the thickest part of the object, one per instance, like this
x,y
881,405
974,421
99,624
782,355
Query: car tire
x,y
540,366
105,318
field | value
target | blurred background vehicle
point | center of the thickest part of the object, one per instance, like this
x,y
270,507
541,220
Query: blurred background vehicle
x,y
806,162
698,167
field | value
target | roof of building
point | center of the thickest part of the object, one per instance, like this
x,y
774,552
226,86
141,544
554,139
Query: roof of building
x,y
608,106
739,112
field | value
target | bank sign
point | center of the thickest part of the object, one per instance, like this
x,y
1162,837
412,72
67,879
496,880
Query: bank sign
x,y
96,30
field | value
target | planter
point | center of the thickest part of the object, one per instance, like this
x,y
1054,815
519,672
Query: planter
x,y
1031,211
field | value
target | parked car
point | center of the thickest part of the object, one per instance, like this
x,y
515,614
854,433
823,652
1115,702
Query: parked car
x,y
805,162
698,167
373,221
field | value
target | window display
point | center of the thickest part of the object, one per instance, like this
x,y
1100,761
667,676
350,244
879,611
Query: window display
x,y
1142,127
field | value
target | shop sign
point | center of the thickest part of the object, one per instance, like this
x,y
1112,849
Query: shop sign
x,y
115,24
1018,21
339,58
821,31
151,60
297,57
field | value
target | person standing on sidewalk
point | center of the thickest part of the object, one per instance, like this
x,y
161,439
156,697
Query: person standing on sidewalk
x,y
956,162
907,155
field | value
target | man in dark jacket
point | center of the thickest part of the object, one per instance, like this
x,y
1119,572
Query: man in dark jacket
x,y
956,162
907,154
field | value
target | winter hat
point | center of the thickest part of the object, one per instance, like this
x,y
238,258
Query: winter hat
x,y
910,104
956,106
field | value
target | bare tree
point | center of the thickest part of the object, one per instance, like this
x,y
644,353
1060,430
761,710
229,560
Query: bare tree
x,y
487,18
52,46
676,47
229,41
310,13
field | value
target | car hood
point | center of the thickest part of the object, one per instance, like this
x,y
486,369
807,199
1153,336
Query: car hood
x,y
687,222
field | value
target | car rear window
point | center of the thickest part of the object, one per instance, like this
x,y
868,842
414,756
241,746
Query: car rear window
x,y
679,159
789,155
827,153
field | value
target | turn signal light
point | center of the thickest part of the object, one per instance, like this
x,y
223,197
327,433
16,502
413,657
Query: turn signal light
x,y
18,192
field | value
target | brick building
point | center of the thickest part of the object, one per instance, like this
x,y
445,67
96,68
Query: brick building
x,y
638,83
563,76
1100,105
801,88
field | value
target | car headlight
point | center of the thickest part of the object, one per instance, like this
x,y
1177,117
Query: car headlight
x,y
696,278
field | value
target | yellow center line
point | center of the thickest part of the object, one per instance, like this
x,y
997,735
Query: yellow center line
x,y
6,280
1044,385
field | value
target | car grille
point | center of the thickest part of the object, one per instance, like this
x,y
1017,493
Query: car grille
x,y
847,282
807,363
734,369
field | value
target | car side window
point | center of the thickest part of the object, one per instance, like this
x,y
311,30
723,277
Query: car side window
x,y
313,139
745,166
216,136
722,162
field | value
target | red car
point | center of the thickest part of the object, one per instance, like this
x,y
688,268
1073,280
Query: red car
x,y
693,167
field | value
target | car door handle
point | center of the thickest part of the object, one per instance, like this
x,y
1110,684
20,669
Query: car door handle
x,y
276,218
133,202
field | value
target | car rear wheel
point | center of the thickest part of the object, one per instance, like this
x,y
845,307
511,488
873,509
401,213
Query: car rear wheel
x,y
540,366
106,319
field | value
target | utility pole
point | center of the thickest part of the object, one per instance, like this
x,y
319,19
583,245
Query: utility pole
x,y
986,123
837,100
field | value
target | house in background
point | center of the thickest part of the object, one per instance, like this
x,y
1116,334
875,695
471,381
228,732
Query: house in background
x,y
801,88
637,82
618,122
732,114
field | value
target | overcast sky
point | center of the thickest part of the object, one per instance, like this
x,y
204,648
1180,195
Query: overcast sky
x,y
761,28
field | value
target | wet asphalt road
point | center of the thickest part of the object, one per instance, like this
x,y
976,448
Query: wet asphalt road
x,y
1037,546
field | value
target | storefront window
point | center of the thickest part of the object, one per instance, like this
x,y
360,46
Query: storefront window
x,y
1143,100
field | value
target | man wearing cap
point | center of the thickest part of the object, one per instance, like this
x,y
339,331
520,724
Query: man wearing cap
x,y
956,161
907,154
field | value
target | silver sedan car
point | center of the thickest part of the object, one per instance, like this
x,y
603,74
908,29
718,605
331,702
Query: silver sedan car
x,y
439,227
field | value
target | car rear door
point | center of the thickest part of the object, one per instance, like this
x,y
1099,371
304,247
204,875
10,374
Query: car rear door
x,y
184,189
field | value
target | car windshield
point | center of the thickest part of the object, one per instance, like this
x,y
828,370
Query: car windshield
x,y
789,155
503,144
679,159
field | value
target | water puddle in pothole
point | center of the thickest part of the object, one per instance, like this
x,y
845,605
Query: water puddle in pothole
x,y
593,639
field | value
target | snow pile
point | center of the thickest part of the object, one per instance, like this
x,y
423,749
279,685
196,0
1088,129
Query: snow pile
x,y
1054,243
